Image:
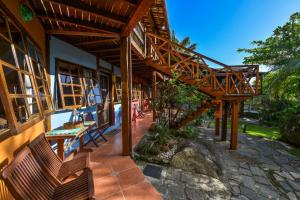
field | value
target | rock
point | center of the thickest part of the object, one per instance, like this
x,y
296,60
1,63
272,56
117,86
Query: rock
x,y
291,129
189,159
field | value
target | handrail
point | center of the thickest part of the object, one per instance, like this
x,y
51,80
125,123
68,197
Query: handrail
x,y
228,80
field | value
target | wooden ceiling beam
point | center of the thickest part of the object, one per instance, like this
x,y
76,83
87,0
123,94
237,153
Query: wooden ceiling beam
x,y
82,7
142,9
105,50
77,33
95,42
80,23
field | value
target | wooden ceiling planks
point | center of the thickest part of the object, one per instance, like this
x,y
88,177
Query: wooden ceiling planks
x,y
96,25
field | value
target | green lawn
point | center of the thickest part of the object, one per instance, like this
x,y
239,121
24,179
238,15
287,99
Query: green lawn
x,y
259,130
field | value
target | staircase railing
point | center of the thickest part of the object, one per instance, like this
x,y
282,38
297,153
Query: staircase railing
x,y
223,80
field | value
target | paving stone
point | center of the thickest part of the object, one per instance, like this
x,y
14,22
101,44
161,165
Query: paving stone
x,y
250,194
278,178
295,175
291,196
244,165
271,167
262,180
285,186
175,191
294,185
267,191
257,171
285,175
245,172
193,194
248,182
236,190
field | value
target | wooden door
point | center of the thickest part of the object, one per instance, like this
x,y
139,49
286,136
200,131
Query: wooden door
x,y
105,84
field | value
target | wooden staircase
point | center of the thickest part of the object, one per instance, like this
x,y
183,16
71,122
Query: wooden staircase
x,y
222,83
183,121
219,81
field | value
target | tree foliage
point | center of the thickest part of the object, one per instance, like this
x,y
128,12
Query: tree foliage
x,y
186,42
281,53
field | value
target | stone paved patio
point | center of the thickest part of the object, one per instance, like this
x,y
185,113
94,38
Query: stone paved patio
x,y
259,169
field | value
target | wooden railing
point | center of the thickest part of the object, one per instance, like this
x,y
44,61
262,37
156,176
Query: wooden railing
x,y
222,80
138,39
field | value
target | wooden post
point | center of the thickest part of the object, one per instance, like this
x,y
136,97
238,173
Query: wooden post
x,y
60,148
154,94
224,121
126,90
218,114
112,103
234,124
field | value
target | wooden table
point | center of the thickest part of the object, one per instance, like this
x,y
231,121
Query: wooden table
x,y
60,135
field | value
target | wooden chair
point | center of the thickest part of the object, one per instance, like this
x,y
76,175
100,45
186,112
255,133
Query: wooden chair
x,y
27,180
100,131
46,157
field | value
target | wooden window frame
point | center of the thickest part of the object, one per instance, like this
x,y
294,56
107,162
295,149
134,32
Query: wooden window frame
x,y
60,85
14,125
93,80
83,84
41,77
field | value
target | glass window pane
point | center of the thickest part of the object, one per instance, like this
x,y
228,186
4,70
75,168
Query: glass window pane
x,y
20,109
77,90
31,49
16,36
67,89
3,27
76,80
79,100
36,68
28,84
3,120
12,80
6,53
22,60
69,101
44,103
39,56
33,106
65,79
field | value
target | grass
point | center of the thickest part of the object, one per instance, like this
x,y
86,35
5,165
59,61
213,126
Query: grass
x,y
295,152
260,130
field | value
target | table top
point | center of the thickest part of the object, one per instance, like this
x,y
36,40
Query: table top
x,y
61,133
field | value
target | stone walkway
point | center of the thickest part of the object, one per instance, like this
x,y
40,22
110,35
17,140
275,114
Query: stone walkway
x,y
259,169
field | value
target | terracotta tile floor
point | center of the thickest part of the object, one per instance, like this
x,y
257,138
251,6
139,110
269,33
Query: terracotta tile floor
x,y
117,177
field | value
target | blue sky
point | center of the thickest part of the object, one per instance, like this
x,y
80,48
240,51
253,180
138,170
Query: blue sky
x,y
220,27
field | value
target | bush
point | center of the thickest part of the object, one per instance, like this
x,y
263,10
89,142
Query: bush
x,y
290,131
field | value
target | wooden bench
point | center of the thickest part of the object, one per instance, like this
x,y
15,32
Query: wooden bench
x,y
47,158
27,180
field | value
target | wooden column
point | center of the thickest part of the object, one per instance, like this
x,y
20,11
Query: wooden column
x,y
218,114
154,94
224,120
126,91
234,124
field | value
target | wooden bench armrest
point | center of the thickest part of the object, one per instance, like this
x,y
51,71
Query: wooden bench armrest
x,y
73,166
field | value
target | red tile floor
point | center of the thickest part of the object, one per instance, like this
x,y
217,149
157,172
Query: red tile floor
x,y
117,177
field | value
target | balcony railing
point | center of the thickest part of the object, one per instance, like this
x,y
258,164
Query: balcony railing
x,y
138,39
